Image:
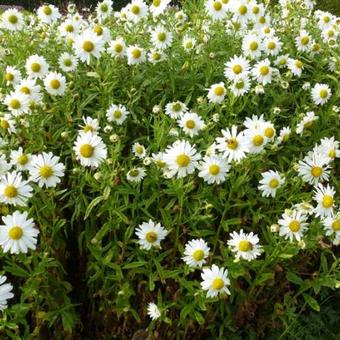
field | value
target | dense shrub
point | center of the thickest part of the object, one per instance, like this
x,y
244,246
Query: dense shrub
x,y
172,174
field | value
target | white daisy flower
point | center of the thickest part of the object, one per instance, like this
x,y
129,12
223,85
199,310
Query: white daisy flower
x,y
303,42
36,66
314,168
90,124
270,182
181,158
306,123
245,245
90,149
135,174
5,292
155,56
136,55
12,20
20,159
153,311
215,281
102,32
161,38
262,72
293,225
240,86
8,123
55,84
236,68
137,10
241,11
175,109
252,46
234,146
296,66
217,93
324,196
158,7
188,43
69,28
321,94
46,170
104,9
281,61
196,253
332,225
13,190
18,234
284,134
272,46
215,9
117,114
191,123
329,147
88,44
117,47
256,139
48,14
12,75
139,150
30,88
17,102
213,169
68,62
150,234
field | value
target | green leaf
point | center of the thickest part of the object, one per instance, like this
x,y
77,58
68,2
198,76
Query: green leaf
x,y
294,278
134,264
311,302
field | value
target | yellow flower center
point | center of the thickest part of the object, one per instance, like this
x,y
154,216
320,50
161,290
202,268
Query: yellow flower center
x,y
327,201
151,237
15,233
237,69
336,225
240,84
326,19
217,284
156,3
45,171
273,183
177,107
10,191
330,33
256,9
69,28
13,19
214,169
156,56
304,40
316,171
117,114
22,160
88,128
242,9
269,132
88,46
4,124
253,46
134,173
225,1
160,163
183,160
55,84
47,10
15,104
267,29
118,48
332,153
135,9
219,91
136,53
86,150
315,47
245,245
25,90
258,140
190,124
262,20
9,76
198,255
232,143
294,226
161,36
104,7
323,93
264,70
139,149
35,67
271,45
298,63
98,29
217,6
